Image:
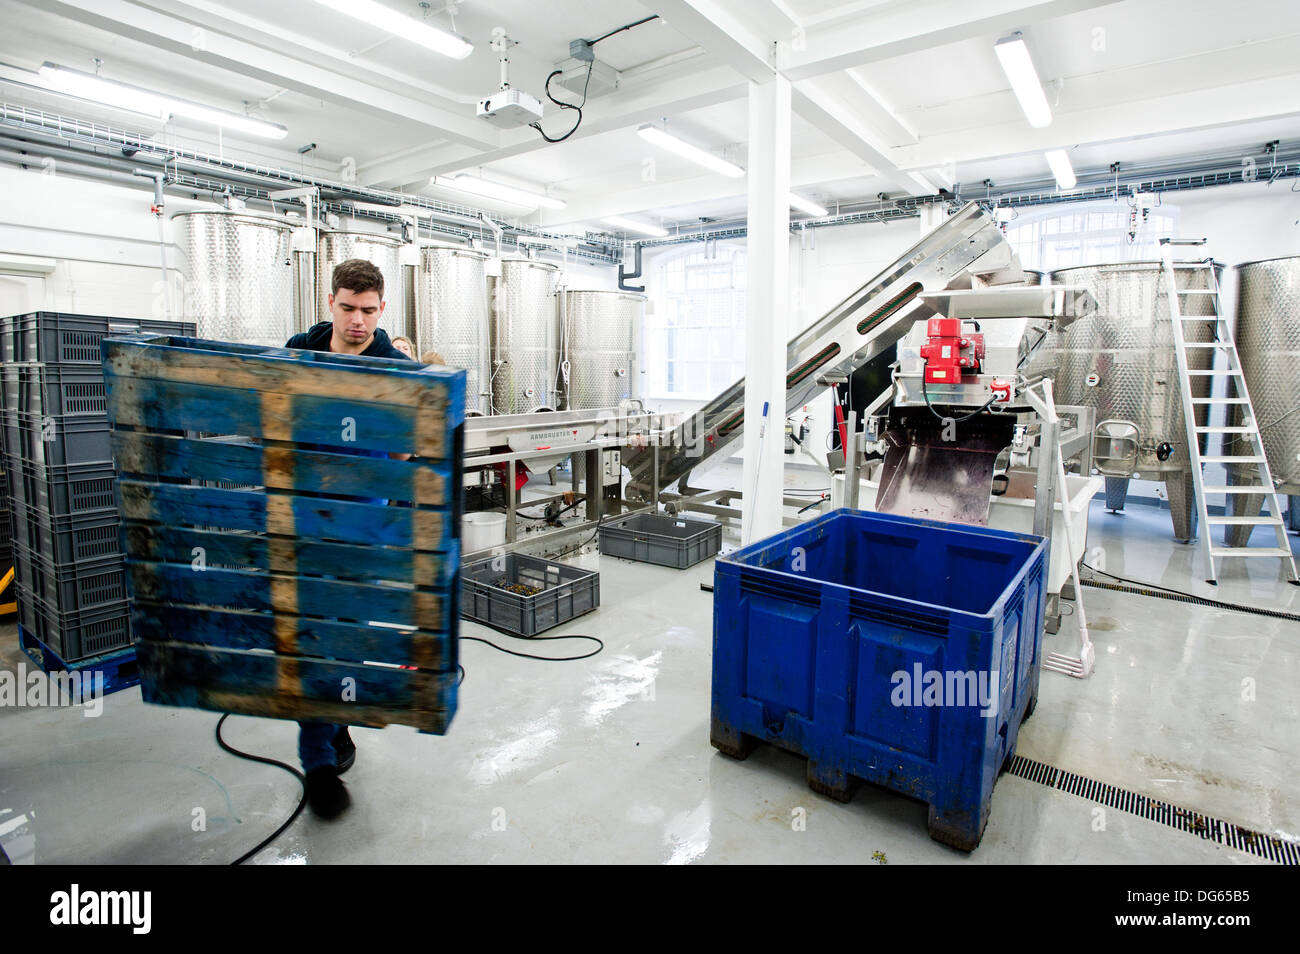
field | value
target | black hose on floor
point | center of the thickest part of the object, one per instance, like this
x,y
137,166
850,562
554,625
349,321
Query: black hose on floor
x,y
302,802
1178,596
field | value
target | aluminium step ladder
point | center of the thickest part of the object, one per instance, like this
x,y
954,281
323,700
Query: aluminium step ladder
x,y
1245,449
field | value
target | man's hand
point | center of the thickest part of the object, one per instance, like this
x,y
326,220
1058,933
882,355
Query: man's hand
x,y
401,456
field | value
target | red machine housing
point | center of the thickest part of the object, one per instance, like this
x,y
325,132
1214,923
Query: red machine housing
x,y
950,352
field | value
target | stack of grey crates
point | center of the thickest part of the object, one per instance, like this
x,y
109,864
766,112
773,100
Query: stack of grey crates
x,y
69,570
6,528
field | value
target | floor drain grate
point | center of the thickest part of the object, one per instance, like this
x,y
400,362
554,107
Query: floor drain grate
x,y
1153,809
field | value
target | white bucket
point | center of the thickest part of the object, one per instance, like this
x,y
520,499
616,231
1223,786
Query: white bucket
x,y
479,531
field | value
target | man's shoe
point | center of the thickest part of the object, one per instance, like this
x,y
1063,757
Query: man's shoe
x,y
326,795
345,751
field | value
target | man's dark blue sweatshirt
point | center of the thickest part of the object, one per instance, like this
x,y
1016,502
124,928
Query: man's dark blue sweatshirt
x,y
317,338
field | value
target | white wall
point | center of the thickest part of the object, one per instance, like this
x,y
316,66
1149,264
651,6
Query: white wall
x,y
1243,222
103,236
580,274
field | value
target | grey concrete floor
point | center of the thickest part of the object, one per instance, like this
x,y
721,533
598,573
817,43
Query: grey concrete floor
x,y
608,759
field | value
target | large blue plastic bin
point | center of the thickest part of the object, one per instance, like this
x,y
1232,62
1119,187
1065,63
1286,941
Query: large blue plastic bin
x,y
826,636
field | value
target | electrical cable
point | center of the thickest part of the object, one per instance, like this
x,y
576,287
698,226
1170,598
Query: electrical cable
x,y
529,516
1156,591
848,399
594,533
653,16
302,802
956,420
536,639
815,503
1240,439
564,105
1042,336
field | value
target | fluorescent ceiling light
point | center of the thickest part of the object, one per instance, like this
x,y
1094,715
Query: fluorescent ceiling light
x,y
91,87
1013,54
632,225
147,103
654,134
417,31
227,120
806,205
1061,168
487,189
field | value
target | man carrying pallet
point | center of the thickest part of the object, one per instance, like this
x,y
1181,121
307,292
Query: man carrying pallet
x,y
356,304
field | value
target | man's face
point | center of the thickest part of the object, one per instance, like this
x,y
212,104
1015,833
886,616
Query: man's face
x,y
356,315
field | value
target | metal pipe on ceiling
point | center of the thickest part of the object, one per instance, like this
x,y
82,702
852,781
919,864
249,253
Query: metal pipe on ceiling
x,y
1197,174
257,195
53,131
120,170
257,182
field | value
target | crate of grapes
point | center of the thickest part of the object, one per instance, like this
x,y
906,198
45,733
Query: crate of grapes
x,y
526,595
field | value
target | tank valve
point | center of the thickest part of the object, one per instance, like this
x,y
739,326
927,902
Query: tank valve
x,y
1164,451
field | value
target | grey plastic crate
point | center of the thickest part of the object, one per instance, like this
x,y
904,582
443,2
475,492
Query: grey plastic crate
x,y
71,440
68,538
563,592
63,491
10,439
9,389
58,338
55,390
71,587
77,635
661,539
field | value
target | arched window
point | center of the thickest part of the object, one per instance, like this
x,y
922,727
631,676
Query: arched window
x,y
1088,233
693,338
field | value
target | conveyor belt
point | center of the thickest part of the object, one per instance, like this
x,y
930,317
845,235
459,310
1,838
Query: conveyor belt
x,y
853,332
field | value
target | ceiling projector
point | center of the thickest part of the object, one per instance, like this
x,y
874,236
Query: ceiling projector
x,y
509,108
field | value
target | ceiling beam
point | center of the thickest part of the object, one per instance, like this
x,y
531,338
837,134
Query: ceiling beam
x,y
720,29
247,59
628,108
724,33
875,111
840,122
597,203
408,166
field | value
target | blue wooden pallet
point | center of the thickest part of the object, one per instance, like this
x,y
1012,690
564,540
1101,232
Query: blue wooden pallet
x,y
290,568
121,669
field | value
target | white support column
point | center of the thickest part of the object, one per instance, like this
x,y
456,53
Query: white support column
x,y
932,217
766,305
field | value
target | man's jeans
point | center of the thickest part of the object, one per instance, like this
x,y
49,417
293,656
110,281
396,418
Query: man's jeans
x,y
316,745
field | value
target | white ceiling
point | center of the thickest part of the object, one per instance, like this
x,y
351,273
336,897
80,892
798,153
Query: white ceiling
x,y
881,88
